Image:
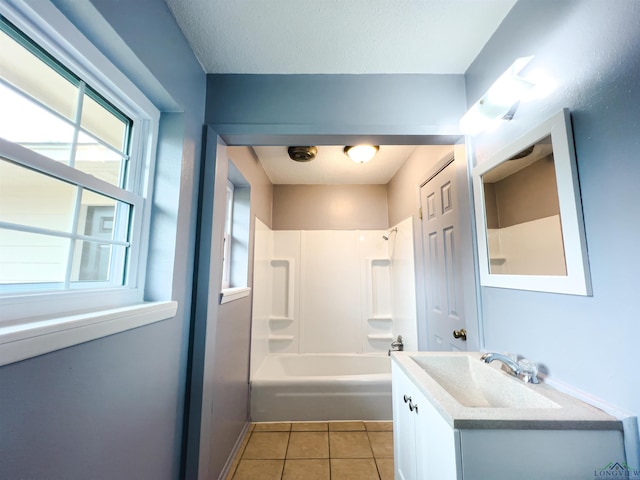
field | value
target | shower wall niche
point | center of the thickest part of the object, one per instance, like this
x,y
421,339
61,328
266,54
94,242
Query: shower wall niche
x,y
331,291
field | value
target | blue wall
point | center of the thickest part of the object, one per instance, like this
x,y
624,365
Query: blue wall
x,y
334,101
335,109
113,408
286,110
591,49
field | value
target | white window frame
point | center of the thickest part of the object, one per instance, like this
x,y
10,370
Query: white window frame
x,y
49,28
228,237
230,292
27,158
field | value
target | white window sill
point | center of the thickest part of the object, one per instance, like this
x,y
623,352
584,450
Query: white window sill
x,y
19,342
231,294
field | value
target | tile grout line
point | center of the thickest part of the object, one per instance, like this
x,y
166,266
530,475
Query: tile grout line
x,y
373,453
329,442
289,432
286,450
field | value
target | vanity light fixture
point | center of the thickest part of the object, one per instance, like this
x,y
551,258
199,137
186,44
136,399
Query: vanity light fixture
x,y
500,102
361,153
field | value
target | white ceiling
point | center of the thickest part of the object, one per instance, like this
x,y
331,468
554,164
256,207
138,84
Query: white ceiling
x,y
338,36
332,167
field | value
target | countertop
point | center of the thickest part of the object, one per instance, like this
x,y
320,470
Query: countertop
x,y
568,413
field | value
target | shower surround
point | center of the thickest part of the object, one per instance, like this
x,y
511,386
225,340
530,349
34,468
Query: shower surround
x,y
330,292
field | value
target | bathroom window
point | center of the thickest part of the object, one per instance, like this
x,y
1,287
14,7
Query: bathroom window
x,y
235,260
74,168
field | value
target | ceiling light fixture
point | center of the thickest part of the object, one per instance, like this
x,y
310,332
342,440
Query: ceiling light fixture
x,y
500,102
361,153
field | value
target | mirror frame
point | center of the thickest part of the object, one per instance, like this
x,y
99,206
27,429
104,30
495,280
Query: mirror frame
x,y
577,281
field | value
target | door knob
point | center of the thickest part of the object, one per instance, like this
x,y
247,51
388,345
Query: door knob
x,y
461,334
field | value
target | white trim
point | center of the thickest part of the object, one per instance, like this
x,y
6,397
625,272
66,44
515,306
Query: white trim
x,y
19,342
242,439
578,280
230,294
48,27
23,307
30,159
228,238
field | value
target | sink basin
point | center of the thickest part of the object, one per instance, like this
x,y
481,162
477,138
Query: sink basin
x,y
473,383
471,394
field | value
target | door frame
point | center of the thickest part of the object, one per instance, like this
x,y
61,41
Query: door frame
x,y
471,305
209,237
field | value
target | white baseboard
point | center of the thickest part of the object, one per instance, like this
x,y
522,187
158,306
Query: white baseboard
x,y
226,471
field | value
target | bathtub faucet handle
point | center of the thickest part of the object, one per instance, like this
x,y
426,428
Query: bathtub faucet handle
x,y
397,345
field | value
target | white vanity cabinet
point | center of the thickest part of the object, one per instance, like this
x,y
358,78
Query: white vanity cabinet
x,y
424,445
437,438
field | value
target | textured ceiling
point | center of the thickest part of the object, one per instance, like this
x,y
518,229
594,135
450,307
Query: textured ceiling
x,y
332,167
338,36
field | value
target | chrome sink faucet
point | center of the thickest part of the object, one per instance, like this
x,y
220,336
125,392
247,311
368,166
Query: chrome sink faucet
x,y
397,345
527,374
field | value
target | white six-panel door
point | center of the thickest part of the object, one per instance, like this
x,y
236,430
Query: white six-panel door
x,y
442,266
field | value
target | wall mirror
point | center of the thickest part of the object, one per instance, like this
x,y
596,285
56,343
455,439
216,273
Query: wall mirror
x,y
529,214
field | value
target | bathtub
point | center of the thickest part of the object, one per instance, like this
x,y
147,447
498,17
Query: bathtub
x,y
314,387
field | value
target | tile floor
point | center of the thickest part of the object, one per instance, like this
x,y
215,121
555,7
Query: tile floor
x,y
316,451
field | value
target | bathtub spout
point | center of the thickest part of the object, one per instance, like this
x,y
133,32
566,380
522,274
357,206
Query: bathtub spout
x,y
397,345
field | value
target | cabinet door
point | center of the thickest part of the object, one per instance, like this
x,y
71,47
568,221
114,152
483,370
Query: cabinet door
x,y
404,447
437,444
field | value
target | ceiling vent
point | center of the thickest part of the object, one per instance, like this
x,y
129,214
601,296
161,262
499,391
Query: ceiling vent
x,y
524,153
302,154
